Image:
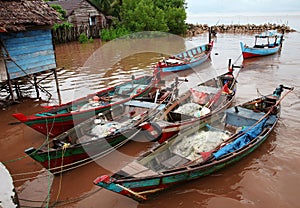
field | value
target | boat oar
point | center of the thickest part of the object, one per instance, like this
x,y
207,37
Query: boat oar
x,y
132,192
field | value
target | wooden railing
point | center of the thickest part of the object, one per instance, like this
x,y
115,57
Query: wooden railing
x,y
63,35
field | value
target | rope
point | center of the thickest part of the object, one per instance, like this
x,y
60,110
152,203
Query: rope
x,y
49,176
65,146
88,160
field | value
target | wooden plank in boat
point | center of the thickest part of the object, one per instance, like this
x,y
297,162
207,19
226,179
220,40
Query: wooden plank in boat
x,y
137,170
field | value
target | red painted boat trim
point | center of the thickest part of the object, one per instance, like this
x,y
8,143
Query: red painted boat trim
x,y
251,55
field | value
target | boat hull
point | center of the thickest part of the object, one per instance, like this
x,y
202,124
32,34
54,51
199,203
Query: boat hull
x,y
150,185
58,119
250,52
178,160
197,56
63,159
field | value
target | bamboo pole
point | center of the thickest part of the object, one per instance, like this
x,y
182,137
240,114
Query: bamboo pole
x,y
132,192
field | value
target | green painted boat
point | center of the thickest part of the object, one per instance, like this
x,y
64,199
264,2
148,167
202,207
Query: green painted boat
x,y
198,152
60,118
97,136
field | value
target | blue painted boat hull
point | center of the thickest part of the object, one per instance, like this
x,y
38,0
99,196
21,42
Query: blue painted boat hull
x,y
188,59
249,52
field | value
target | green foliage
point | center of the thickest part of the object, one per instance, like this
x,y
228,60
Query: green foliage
x,y
62,25
154,15
142,15
113,33
108,7
62,13
175,18
84,39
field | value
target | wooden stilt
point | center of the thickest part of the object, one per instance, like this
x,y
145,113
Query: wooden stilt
x,y
11,90
17,91
57,86
36,86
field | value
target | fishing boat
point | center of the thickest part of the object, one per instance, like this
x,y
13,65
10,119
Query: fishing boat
x,y
185,60
158,116
198,152
99,135
60,118
196,106
265,44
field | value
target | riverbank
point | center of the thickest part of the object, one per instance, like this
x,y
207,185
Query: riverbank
x,y
196,29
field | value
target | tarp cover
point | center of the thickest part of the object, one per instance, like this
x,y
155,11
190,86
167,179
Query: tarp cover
x,y
241,141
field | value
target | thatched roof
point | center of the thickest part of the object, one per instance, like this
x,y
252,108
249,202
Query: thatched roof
x,y
16,15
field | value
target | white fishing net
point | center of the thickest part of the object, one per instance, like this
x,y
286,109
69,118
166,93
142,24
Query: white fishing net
x,y
204,141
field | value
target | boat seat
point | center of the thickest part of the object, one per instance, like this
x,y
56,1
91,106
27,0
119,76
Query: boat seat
x,y
245,117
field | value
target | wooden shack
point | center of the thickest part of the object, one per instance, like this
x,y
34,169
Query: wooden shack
x,y
26,42
81,12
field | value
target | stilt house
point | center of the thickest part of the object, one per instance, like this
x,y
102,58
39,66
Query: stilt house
x,y
25,40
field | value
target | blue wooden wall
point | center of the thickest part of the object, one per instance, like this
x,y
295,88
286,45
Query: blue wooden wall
x,y
32,50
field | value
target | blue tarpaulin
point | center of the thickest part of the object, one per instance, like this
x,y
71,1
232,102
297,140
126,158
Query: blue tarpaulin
x,y
241,141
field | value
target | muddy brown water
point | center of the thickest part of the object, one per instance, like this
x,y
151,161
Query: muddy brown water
x,y
269,177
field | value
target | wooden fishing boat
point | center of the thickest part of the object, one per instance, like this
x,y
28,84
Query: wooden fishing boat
x,y
97,136
196,106
185,60
265,44
82,144
198,152
57,119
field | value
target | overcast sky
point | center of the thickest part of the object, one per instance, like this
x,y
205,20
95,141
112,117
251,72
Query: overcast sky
x,y
241,6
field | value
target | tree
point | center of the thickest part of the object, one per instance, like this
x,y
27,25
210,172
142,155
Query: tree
x,y
108,7
142,15
175,18
156,15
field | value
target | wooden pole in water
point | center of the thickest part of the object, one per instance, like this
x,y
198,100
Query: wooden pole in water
x,y
209,34
229,64
18,91
57,86
6,57
36,87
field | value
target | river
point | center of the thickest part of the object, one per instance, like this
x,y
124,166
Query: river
x,y
269,177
